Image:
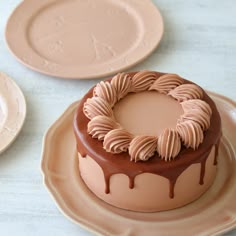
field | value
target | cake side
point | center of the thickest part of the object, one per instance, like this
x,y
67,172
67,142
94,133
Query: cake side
x,y
151,191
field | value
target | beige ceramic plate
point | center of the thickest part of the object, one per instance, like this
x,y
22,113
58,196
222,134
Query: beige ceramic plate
x,y
12,111
83,39
213,213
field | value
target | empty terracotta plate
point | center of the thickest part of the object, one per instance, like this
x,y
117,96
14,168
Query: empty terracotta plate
x,y
212,214
83,39
12,111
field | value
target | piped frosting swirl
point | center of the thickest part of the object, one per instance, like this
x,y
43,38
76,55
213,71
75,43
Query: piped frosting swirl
x,y
99,126
186,91
117,141
169,144
96,106
142,80
122,84
197,116
189,128
142,148
106,91
165,83
191,133
196,104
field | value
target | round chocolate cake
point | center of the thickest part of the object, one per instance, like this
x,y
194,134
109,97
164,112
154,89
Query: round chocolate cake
x,y
147,141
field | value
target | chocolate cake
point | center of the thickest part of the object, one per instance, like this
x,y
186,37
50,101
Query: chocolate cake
x,y
147,141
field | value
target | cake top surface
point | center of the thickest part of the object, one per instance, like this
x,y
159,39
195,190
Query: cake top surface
x,y
145,113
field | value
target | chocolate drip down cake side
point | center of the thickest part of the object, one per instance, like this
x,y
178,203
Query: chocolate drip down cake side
x,y
147,141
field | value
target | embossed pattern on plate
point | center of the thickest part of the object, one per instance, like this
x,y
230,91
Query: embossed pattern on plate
x,y
83,39
212,214
12,111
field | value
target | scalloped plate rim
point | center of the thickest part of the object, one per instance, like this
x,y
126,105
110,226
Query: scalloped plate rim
x,y
62,205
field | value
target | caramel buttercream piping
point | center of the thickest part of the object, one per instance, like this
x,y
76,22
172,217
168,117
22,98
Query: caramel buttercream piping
x,y
186,91
142,80
169,144
165,83
106,91
99,126
191,133
196,104
121,84
117,141
96,106
142,148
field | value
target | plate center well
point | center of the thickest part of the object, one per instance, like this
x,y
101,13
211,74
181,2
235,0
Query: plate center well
x,y
147,113
83,32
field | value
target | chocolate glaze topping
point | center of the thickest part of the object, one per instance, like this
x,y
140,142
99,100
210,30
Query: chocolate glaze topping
x,y
120,163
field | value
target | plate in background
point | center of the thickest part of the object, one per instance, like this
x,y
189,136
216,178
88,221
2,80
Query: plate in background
x,y
12,111
83,39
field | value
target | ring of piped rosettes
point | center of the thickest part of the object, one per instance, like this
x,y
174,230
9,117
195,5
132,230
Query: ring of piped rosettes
x,y
189,129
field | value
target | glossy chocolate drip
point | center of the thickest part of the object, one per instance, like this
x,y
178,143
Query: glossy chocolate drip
x,y
107,181
172,188
131,181
120,163
216,151
81,150
203,168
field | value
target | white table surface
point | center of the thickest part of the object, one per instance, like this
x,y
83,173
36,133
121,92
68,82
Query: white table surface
x,y
199,43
